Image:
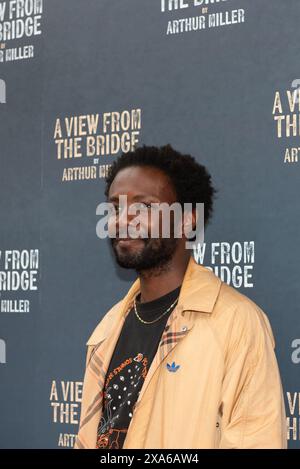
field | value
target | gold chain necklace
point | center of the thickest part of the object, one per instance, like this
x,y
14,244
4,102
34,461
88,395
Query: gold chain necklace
x,y
151,322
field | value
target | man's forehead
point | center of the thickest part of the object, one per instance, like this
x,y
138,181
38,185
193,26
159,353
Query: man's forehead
x,y
140,182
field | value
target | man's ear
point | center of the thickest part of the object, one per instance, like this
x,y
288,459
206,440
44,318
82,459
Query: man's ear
x,y
189,223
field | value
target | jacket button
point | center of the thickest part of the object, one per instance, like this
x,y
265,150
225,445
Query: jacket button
x,y
184,328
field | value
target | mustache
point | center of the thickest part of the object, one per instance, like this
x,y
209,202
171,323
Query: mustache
x,y
127,238
118,238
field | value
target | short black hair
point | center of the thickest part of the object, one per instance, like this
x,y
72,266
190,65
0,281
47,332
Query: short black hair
x,y
190,179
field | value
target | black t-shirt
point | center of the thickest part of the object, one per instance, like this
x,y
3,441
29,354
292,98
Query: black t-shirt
x,y
129,365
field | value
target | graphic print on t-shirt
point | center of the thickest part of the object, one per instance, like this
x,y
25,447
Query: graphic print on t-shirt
x,y
121,390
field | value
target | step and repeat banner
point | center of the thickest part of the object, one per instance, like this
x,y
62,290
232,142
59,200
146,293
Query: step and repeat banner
x,y
82,81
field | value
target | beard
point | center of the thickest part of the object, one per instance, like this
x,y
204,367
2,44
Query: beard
x,y
145,254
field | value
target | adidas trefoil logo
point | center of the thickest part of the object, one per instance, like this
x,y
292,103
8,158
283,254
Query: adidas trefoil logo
x,y
172,367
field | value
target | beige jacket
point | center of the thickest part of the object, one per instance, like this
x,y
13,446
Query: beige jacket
x,y
227,392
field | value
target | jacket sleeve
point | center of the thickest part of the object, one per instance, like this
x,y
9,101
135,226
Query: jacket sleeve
x,y
252,412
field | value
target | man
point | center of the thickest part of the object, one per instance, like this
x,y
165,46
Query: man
x,y
183,360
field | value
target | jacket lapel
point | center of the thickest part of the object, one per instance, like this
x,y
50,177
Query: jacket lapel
x,y
96,369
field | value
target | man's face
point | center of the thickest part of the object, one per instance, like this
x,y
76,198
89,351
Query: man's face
x,y
142,185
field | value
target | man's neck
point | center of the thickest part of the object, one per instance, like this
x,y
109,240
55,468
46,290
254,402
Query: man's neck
x,y
155,284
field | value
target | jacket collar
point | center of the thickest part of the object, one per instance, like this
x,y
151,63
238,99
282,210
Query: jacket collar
x,y
199,291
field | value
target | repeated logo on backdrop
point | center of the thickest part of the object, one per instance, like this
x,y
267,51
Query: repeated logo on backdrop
x,y
86,143
65,398
19,272
200,15
232,262
293,415
286,114
293,398
20,22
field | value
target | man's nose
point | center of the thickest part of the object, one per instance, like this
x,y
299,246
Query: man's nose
x,y
123,220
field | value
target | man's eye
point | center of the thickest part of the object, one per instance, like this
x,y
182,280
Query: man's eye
x,y
137,206
141,206
116,209
144,205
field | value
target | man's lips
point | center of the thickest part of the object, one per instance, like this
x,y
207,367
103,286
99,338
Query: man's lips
x,y
127,241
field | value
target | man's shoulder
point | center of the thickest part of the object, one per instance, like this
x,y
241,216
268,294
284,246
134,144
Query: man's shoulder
x,y
230,298
235,310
